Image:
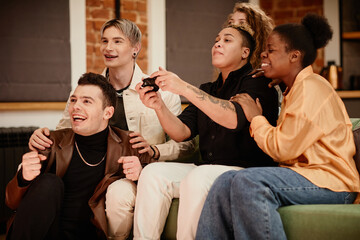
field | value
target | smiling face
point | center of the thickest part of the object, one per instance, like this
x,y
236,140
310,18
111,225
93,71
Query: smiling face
x,y
228,52
276,60
87,113
238,18
117,49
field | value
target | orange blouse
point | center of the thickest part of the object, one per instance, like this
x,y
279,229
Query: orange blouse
x,y
313,135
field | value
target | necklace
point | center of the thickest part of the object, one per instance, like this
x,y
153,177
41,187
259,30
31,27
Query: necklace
x,y
119,92
89,164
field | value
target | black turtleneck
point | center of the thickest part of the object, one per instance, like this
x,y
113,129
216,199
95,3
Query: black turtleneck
x,y
80,181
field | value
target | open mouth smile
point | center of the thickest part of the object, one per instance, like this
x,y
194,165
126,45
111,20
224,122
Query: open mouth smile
x,y
109,57
78,118
265,65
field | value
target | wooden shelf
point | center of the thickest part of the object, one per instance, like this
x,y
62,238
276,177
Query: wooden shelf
x,y
25,106
349,94
351,35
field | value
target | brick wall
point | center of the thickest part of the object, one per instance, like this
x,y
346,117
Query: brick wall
x,y
286,11
98,12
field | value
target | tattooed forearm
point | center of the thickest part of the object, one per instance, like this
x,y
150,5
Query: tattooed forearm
x,y
227,105
203,96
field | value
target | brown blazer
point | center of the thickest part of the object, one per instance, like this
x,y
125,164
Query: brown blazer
x,y
61,152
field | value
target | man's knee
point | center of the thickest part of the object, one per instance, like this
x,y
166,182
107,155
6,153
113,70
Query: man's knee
x,y
121,193
47,186
152,172
40,205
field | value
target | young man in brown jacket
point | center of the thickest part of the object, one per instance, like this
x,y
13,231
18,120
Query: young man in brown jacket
x,y
59,193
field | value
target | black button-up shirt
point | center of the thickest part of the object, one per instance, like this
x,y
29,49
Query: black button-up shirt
x,y
220,145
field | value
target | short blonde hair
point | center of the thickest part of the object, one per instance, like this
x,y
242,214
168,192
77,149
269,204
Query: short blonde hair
x,y
127,27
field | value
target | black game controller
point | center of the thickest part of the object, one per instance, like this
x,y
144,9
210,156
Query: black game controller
x,y
151,83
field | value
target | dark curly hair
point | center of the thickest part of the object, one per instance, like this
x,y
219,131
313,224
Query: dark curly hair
x,y
313,33
109,93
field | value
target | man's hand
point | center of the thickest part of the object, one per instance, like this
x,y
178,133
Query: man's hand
x,y
140,143
149,98
31,165
250,108
38,139
131,167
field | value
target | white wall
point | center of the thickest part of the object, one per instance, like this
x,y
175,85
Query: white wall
x,y
77,39
157,35
78,66
332,50
30,118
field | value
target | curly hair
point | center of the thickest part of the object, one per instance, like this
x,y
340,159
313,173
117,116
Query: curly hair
x,y
259,22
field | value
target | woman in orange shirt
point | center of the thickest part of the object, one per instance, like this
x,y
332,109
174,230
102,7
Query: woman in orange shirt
x,y
312,142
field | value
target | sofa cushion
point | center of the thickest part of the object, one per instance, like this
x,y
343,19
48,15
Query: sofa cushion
x,y
328,221
169,232
355,123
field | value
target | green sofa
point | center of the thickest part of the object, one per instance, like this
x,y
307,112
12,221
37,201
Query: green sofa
x,y
302,221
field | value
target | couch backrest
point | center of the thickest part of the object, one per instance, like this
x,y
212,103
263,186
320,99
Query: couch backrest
x,y
357,144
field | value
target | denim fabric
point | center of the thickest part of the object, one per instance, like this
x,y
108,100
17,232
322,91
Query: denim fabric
x,y
243,204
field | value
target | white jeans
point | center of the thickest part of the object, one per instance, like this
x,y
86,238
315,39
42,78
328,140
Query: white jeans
x,y
159,183
119,203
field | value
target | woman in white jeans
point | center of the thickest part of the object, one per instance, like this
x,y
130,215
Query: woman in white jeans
x,y
224,140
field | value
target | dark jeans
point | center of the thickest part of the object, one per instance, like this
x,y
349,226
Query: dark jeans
x,y
38,214
243,204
